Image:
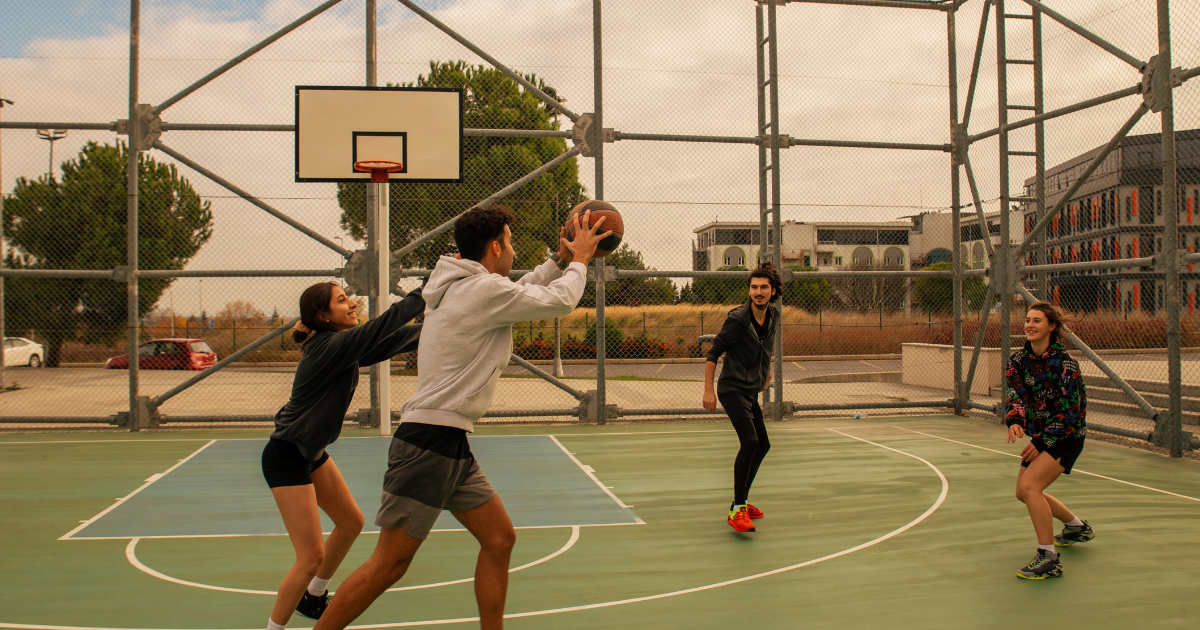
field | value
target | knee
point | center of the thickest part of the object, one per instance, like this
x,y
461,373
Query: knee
x,y
1020,493
353,522
1025,491
752,444
500,542
310,560
764,445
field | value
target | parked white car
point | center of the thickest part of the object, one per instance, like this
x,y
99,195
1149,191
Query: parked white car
x,y
22,351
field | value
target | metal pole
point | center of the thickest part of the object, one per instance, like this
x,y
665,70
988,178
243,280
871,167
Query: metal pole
x,y
958,133
1137,64
601,351
2,102
131,214
1001,263
558,371
380,304
773,61
378,411
1039,142
763,127
1170,427
598,120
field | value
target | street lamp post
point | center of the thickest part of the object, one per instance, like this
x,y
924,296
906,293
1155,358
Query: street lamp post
x,y
52,136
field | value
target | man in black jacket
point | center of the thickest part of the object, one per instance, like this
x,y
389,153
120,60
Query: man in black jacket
x,y
746,339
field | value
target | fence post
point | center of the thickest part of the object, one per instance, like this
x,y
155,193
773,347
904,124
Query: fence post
x,y
235,335
133,153
701,323
558,371
1172,427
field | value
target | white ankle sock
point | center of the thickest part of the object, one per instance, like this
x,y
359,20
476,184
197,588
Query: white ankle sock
x,y
1075,522
1048,549
271,625
316,587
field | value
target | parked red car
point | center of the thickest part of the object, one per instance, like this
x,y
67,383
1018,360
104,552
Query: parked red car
x,y
168,354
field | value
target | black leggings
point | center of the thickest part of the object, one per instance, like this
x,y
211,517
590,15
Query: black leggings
x,y
747,418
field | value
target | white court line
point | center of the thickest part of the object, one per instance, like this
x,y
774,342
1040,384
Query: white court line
x,y
1128,483
131,555
432,622
351,437
587,470
125,498
374,533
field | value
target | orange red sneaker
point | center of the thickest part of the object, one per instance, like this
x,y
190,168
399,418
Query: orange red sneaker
x,y
740,521
753,511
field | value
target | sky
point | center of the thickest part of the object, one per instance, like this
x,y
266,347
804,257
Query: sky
x,y
681,67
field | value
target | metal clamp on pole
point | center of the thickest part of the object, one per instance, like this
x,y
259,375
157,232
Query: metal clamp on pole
x,y
589,410
151,127
588,136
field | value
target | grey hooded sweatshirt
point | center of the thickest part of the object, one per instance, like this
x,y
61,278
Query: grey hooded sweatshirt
x,y
467,338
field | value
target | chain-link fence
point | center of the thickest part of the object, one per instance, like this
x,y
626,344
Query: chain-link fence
x,y
919,171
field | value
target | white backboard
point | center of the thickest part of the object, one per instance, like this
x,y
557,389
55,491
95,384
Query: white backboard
x,y
419,127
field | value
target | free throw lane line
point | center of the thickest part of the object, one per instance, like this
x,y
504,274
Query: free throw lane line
x,y
125,498
1084,472
433,622
588,471
131,555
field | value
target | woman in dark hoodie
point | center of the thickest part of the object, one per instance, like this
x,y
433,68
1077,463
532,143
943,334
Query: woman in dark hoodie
x,y
300,473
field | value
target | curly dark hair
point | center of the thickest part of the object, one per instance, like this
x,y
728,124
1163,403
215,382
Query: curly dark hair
x,y
767,270
478,227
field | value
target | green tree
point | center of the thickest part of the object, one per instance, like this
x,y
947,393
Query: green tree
x,y
810,294
490,101
630,291
78,222
721,290
935,294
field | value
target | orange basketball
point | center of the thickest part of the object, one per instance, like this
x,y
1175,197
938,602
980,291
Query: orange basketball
x,y
612,221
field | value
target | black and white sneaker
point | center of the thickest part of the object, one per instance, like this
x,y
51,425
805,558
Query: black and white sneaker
x,y
312,606
1044,565
1071,535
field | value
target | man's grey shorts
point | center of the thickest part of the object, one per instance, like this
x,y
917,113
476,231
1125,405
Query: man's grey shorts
x,y
430,469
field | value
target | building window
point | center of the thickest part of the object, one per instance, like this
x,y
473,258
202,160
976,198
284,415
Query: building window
x,y
1128,208
837,260
807,261
1128,250
1158,202
735,257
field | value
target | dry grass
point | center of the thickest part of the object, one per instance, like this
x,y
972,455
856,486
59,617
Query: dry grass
x,y
805,334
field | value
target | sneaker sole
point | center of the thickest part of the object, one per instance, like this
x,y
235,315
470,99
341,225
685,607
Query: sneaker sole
x,y
1039,577
740,531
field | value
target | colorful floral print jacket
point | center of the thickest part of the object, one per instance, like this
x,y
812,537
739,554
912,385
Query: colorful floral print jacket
x,y
1046,395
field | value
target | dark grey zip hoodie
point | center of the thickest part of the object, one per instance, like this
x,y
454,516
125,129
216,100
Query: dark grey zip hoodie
x,y
328,374
747,357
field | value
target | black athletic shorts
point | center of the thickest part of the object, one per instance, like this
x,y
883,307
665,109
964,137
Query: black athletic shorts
x,y
283,465
1065,451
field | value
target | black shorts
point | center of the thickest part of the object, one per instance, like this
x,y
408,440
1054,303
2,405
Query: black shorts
x,y
283,465
1065,451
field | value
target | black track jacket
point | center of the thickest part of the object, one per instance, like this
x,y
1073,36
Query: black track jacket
x,y
328,374
747,358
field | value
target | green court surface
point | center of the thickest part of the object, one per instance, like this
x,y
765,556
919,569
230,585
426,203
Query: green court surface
x,y
872,523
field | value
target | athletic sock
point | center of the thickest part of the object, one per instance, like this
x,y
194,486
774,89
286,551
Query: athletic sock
x,y
734,508
1049,549
271,625
316,587
1075,522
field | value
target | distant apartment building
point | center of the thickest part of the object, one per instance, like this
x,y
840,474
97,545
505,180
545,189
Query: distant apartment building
x,y
1118,213
910,243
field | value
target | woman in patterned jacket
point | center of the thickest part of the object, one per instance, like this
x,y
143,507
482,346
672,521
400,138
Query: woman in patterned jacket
x,y
1047,402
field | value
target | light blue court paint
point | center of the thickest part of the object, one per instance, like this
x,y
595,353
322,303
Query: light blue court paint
x,y
220,491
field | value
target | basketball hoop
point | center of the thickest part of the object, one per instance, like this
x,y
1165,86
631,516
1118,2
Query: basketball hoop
x,y
379,169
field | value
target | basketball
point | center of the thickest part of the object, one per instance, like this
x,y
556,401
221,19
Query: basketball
x,y
612,221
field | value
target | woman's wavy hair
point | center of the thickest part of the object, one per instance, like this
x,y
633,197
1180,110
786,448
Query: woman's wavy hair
x,y
1055,316
314,303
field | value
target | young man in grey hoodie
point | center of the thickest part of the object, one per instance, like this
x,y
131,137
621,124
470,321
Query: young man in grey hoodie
x,y
465,344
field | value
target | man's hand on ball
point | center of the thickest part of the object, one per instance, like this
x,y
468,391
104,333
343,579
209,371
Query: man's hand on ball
x,y
583,247
564,252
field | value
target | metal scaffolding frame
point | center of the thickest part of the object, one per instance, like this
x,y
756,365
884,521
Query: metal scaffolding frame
x,y
376,269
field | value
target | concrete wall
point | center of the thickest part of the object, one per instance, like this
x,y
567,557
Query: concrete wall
x,y
932,365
